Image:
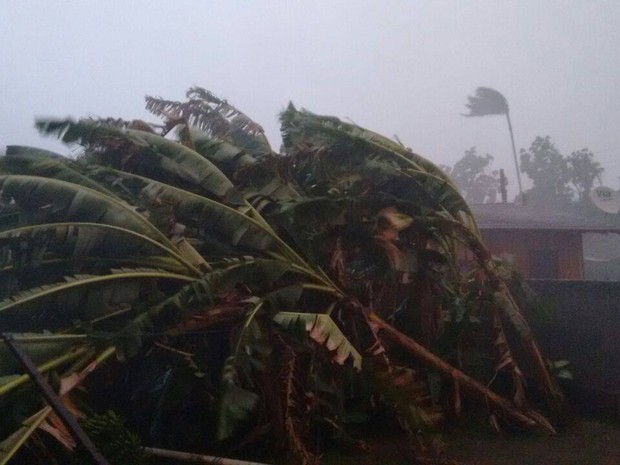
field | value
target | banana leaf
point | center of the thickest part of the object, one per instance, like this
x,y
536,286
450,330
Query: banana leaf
x,y
63,244
225,156
350,145
206,219
39,162
164,154
11,445
39,352
216,117
46,200
56,305
203,294
324,331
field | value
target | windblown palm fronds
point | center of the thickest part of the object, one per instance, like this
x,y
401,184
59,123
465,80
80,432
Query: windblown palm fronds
x,y
485,102
489,101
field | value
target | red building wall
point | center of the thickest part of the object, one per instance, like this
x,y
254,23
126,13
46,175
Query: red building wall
x,y
539,253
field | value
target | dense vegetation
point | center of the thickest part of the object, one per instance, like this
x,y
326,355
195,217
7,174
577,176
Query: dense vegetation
x,y
557,180
218,297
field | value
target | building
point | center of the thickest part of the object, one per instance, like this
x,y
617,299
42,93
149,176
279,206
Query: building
x,y
546,242
566,255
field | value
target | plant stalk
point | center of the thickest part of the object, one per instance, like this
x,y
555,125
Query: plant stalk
x,y
469,385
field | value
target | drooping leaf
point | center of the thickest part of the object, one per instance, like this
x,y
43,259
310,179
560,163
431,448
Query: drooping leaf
x,y
257,180
348,146
27,247
39,162
50,355
238,399
408,392
205,219
164,154
53,306
237,403
40,353
46,200
202,294
10,446
225,156
322,329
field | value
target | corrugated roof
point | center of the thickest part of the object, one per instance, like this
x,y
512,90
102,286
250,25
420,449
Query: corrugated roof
x,y
513,216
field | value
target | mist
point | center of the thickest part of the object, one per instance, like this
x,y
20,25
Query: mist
x,y
401,68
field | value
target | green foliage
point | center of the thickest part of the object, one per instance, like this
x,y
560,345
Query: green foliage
x,y
45,200
116,443
559,369
167,157
31,160
558,179
82,243
324,331
11,445
583,171
237,285
215,117
238,401
211,224
237,404
471,175
546,167
409,393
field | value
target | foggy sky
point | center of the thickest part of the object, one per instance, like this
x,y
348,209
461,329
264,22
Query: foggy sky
x,y
398,67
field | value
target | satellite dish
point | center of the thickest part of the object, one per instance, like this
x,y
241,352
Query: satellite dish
x,y
606,199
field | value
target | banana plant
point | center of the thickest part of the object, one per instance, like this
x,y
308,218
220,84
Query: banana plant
x,y
278,294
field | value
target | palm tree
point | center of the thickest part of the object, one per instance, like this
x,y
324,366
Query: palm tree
x,y
253,297
488,101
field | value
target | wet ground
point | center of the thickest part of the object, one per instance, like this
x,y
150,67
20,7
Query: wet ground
x,y
584,441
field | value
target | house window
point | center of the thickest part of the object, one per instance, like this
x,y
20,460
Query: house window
x,y
544,264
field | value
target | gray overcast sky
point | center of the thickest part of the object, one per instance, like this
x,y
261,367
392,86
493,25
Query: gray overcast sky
x,y
397,67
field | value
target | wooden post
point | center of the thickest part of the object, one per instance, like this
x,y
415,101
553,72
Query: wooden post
x,y
54,401
195,458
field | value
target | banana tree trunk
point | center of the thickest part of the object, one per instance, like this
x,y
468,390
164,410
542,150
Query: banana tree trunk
x,y
510,310
527,418
555,398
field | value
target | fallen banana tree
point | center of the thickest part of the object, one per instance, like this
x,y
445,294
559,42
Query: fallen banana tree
x,y
528,419
256,301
